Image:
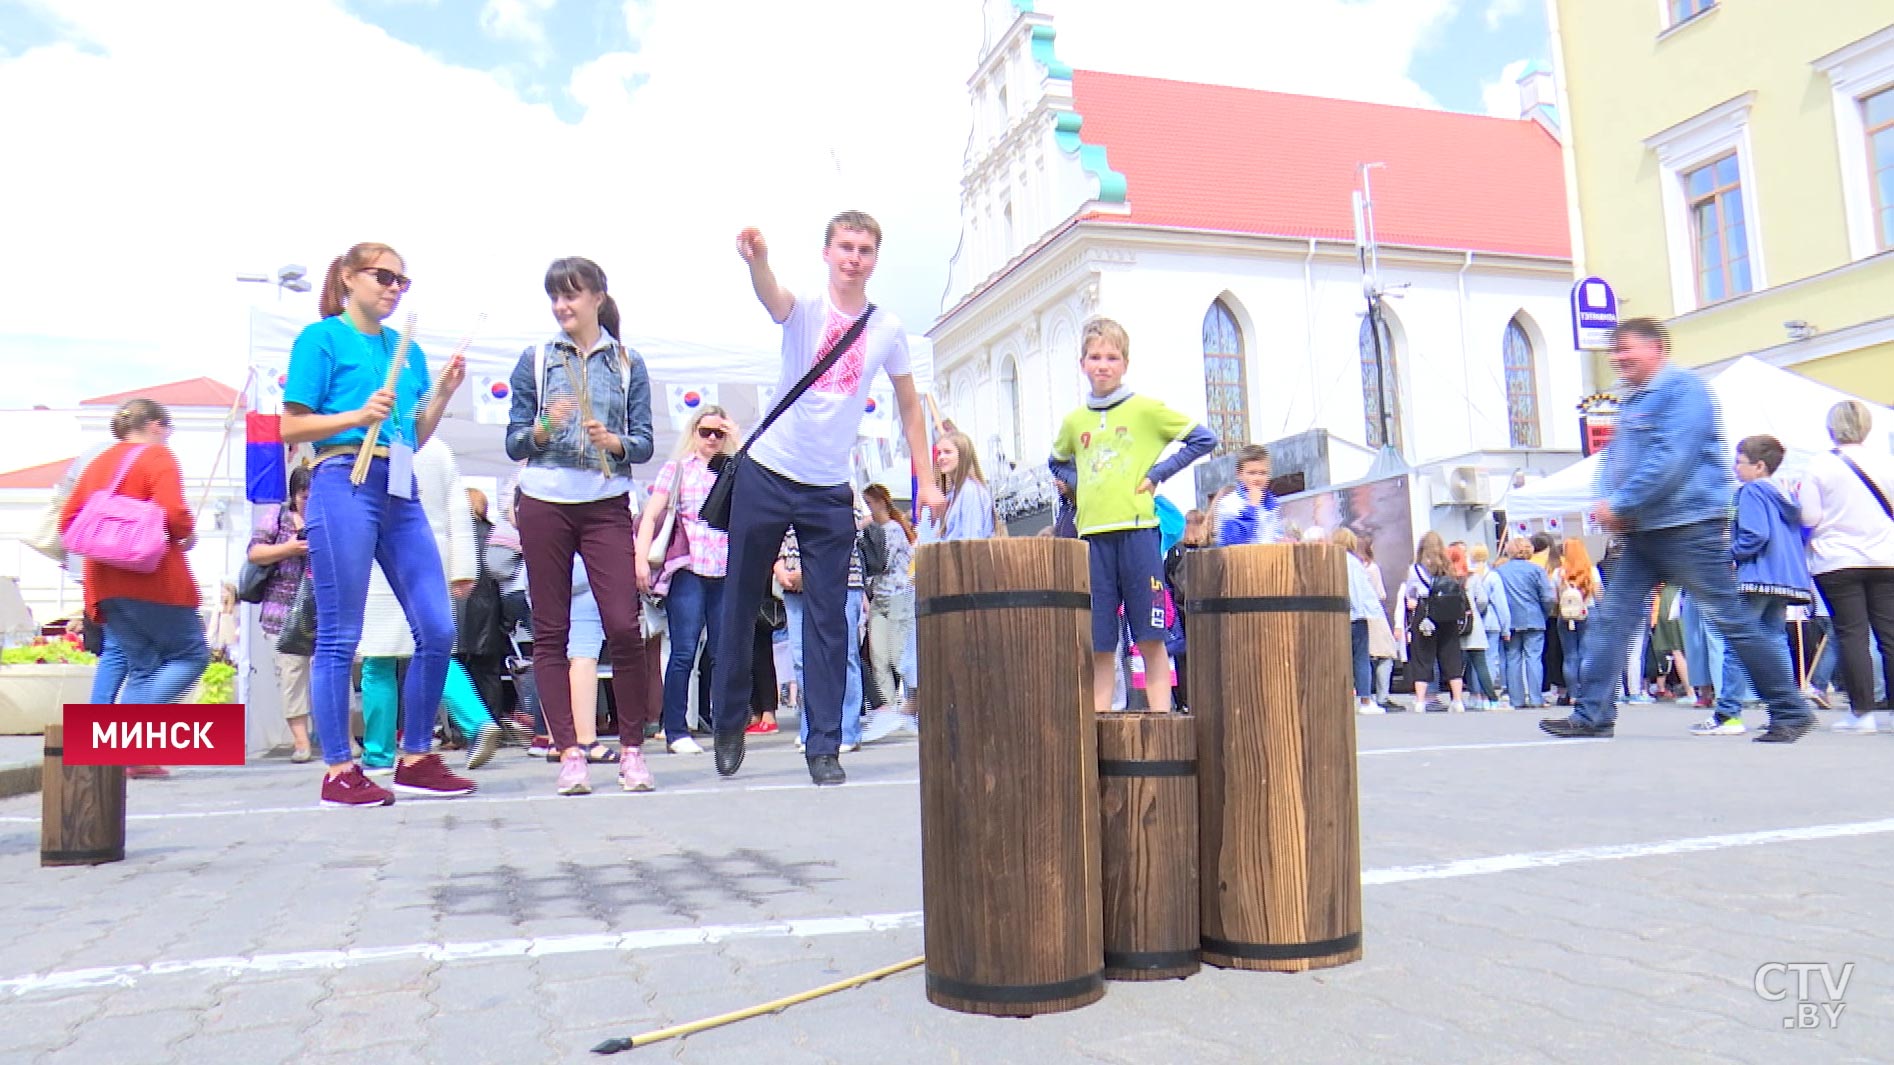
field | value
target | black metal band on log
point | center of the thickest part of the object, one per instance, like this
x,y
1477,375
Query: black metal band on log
x,y
1282,951
1146,960
1270,604
1007,600
95,856
1017,994
1147,767
1009,766
1280,841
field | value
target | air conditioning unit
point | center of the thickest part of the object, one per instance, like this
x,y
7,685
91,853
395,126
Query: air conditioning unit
x,y
1466,486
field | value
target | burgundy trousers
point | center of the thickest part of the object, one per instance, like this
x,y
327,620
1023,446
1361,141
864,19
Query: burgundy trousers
x,y
601,533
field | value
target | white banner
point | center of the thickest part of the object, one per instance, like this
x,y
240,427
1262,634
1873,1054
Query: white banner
x,y
684,401
492,399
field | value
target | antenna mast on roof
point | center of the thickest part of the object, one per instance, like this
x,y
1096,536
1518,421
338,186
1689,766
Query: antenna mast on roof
x,y
1389,459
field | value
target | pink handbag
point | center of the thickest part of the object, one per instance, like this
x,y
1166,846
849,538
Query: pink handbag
x,y
117,530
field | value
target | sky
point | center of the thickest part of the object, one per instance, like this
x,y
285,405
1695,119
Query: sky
x,y
174,146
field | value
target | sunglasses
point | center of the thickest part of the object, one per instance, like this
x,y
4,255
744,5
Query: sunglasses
x,y
710,434
387,278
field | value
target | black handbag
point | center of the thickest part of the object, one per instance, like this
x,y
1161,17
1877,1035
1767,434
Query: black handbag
x,y
772,614
299,628
716,508
253,580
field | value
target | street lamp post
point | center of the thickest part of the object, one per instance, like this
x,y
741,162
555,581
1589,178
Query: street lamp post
x,y
291,277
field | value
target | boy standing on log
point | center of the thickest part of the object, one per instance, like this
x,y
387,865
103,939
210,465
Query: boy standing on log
x,y
1109,451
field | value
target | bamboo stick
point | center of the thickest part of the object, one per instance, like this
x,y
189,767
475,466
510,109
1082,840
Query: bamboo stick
x,y
366,454
582,395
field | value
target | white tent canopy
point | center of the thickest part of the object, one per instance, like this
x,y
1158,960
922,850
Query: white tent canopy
x,y
1753,398
736,377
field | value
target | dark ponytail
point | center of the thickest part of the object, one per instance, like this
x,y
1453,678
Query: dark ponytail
x,y
574,274
335,287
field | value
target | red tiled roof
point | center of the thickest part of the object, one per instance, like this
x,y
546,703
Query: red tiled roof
x,y
1218,158
197,392
45,475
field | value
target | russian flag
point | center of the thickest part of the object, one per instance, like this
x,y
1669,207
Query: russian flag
x,y
264,475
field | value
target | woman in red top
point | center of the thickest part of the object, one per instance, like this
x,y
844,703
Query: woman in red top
x,y
151,617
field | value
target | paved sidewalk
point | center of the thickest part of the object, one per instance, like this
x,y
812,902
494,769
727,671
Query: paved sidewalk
x,y
1527,900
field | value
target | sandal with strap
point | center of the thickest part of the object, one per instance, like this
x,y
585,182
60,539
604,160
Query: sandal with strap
x,y
600,754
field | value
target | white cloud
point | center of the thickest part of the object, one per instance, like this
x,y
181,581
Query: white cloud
x,y
172,161
1499,12
1501,97
516,20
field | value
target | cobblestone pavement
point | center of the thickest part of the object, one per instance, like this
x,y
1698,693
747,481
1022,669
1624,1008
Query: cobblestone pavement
x,y
1526,901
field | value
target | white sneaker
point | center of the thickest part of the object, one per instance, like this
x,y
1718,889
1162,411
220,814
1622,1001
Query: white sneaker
x,y
1713,727
849,748
801,746
378,771
1368,706
686,745
1456,707
881,724
1862,724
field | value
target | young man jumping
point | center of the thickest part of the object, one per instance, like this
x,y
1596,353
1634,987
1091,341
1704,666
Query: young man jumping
x,y
798,477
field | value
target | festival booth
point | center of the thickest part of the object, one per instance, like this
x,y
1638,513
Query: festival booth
x,y
1754,398
685,375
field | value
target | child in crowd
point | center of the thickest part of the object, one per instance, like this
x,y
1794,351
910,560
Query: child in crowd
x,y
1109,450
1771,568
1250,512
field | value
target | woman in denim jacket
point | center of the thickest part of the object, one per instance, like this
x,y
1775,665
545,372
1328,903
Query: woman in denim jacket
x,y
581,418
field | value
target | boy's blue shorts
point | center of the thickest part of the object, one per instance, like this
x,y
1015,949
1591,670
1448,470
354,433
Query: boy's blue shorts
x,y
1128,572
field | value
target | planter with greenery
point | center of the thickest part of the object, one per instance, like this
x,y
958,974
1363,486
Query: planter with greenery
x,y
37,682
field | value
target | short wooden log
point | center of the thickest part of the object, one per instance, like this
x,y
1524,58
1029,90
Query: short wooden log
x,y
1280,845
82,809
1147,787
1009,777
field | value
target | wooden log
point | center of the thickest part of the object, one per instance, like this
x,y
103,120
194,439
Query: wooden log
x,y
1269,685
1147,786
82,809
1009,777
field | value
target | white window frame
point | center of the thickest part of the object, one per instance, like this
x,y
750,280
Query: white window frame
x,y
1684,147
1855,73
1665,20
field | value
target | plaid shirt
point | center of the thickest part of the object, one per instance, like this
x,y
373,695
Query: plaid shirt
x,y
284,577
710,548
791,556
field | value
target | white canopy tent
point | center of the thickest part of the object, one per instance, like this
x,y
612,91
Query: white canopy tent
x,y
1753,398
683,374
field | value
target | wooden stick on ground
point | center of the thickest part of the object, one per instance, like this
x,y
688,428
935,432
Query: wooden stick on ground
x,y
367,452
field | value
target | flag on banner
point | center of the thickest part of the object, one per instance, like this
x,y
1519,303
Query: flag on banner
x,y
877,417
684,401
264,477
268,390
493,399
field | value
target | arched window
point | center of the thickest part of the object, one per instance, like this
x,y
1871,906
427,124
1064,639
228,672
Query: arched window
x,y
1009,402
1522,387
1226,393
1380,385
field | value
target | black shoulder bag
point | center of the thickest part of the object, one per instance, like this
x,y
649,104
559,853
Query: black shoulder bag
x,y
1873,488
716,508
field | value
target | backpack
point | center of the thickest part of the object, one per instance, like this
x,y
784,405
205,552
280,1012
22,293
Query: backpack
x,y
1571,602
1445,606
874,547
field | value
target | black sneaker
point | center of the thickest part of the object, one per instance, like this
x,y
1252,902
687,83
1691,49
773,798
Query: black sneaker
x,y
826,770
1783,733
1573,728
729,753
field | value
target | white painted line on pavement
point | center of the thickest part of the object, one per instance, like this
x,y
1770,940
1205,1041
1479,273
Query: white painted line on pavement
x,y
1366,751
808,928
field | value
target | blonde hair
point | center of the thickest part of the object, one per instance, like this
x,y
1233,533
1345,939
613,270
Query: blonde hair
x,y
861,221
135,414
1478,555
967,468
1849,421
1107,330
1344,538
689,437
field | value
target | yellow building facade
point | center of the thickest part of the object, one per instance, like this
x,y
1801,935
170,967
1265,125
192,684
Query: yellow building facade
x,y
1731,164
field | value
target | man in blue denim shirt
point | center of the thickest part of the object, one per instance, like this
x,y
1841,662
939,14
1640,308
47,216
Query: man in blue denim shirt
x,y
1667,491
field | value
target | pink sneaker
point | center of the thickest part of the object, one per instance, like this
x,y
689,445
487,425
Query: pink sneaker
x,y
633,774
352,788
430,778
574,773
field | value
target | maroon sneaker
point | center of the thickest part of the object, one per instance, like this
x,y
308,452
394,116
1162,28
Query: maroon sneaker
x,y
430,778
352,788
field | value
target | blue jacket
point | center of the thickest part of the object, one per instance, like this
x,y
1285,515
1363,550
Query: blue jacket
x,y
1666,465
1766,542
1529,595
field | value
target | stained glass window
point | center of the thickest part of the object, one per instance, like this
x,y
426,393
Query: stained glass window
x,y
1522,387
1226,392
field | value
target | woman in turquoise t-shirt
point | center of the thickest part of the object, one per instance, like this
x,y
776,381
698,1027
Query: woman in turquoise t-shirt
x,y
337,373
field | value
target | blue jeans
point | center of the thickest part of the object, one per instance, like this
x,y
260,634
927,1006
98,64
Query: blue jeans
x,y
1358,652
1572,644
1703,647
1765,611
693,604
162,646
1695,557
852,694
109,675
351,526
1525,667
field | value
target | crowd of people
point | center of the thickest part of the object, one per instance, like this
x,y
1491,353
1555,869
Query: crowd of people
x,y
381,574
